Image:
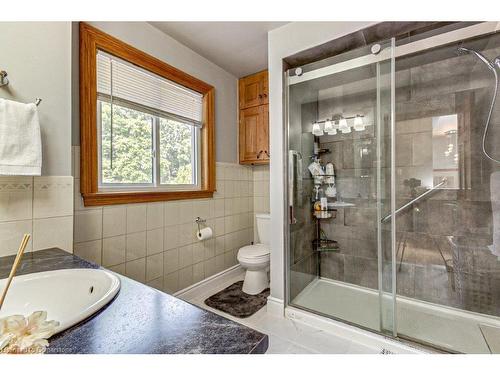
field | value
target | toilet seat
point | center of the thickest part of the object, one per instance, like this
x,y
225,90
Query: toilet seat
x,y
257,252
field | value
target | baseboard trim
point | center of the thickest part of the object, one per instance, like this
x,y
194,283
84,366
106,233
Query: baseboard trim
x,y
275,306
351,333
210,282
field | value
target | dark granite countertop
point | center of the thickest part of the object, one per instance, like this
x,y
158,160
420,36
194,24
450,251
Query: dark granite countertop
x,y
141,319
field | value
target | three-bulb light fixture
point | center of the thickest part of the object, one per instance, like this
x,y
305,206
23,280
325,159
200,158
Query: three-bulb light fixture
x,y
331,127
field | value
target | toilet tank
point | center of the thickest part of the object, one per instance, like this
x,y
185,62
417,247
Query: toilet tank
x,y
263,227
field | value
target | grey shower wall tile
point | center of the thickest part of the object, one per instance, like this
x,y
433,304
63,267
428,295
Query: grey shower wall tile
x,y
301,274
328,49
334,231
348,156
422,150
336,154
476,217
386,30
404,149
437,217
301,244
364,247
361,271
361,217
432,284
332,266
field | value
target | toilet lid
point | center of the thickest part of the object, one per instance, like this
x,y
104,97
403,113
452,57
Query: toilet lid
x,y
254,251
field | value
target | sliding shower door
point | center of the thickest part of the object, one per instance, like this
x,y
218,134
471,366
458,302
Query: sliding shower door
x,y
400,141
448,243
341,256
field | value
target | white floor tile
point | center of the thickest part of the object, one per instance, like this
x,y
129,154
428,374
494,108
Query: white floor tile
x,y
297,349
278,345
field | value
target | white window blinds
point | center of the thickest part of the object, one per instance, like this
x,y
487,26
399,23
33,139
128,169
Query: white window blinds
x,y
120,80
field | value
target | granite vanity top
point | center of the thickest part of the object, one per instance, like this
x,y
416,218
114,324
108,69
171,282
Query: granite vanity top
x,y
141,319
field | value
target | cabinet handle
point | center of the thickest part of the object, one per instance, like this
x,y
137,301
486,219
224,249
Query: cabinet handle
x,y
267,153
265,95
260,152
260,96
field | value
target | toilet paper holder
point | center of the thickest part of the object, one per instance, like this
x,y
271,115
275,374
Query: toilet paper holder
x,y
200,221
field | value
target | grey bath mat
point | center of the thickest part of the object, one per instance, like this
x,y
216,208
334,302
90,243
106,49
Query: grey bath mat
x,y
235,302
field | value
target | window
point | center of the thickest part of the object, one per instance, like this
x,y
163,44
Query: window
x,y
146,127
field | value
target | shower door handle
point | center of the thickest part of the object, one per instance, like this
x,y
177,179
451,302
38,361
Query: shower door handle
x,y
293,167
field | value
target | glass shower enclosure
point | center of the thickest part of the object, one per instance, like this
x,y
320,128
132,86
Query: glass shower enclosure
x,y
393,208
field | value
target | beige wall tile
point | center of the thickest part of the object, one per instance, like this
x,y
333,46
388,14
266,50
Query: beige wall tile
x,y
113,250
185,256
186,212
136,269
91,250
185,277
170,261
198,272
53,232
119,268
167,230
219,207
114,221
154,241
171,237
209,248
135,245
11,234
171,282
52,196
185,234
171,213
136,218
220,245
154,266
154,215
198,252
16,198
219,263
88,225
156,283
210,267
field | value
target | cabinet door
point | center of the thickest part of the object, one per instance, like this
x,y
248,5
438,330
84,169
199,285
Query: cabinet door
x,y
253,90
264,88
263,132
250,124
254,135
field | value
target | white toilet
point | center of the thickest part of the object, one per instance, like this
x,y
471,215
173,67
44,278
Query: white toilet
x,y
255,258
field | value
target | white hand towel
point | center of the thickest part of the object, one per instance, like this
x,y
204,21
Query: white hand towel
x,y
20,140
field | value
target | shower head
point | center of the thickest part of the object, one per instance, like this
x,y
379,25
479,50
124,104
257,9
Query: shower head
x,y
479,55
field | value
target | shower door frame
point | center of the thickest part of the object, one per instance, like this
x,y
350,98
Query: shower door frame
x,y
476,30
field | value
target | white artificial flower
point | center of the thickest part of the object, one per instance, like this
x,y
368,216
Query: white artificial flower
x,y
26,335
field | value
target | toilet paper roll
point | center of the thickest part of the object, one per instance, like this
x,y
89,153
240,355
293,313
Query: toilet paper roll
x,y
204,234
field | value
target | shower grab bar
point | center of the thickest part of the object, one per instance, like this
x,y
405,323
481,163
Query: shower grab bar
x,y
415,200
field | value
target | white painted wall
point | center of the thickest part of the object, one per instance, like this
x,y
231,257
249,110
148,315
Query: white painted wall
x,y
149,39
36,55
285,41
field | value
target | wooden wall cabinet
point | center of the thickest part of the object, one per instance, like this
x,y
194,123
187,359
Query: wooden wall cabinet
x,y
254,119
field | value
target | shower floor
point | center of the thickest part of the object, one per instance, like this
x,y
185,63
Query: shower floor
x,y
441,326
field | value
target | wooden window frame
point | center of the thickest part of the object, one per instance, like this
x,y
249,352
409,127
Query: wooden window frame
x,y
91,40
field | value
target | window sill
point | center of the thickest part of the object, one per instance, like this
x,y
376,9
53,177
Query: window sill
x,y
125,197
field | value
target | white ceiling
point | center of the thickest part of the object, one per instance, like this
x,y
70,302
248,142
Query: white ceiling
x,y
238,47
